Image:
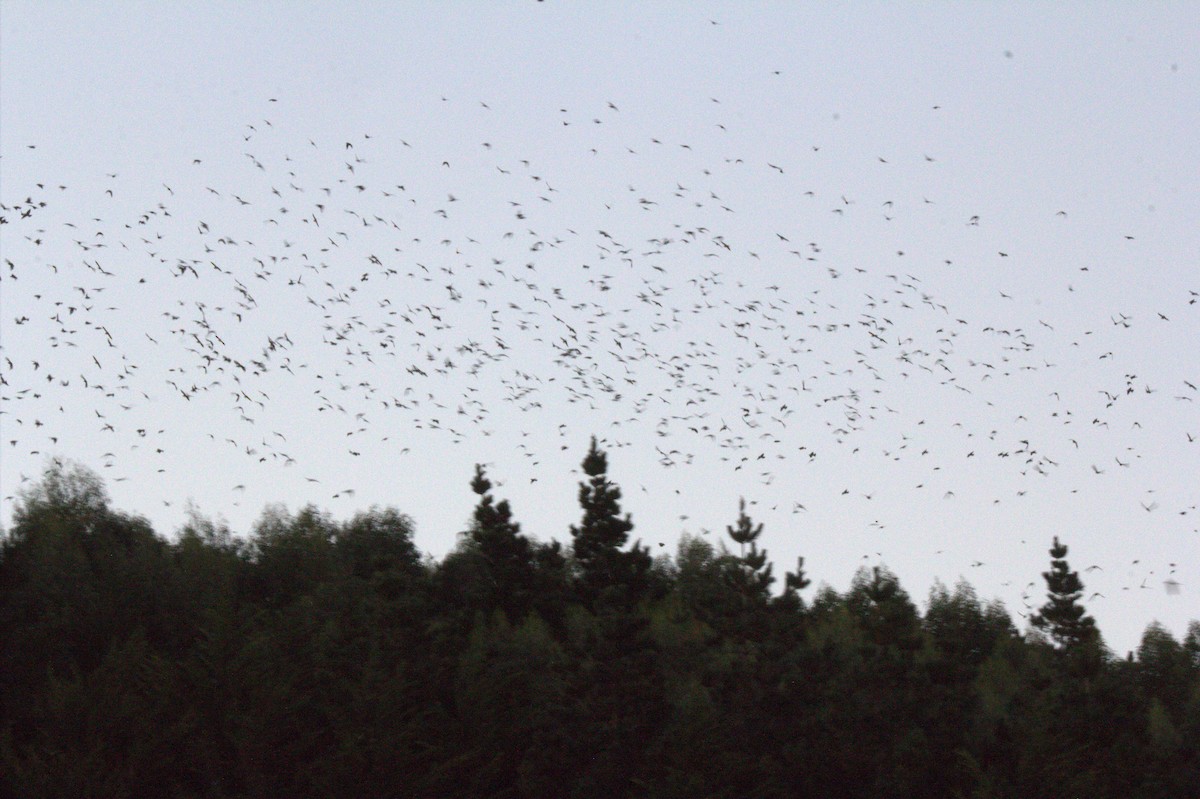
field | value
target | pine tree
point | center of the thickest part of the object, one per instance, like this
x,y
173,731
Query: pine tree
x,y
507,555
751,573
493,530
885,613
1062,617
793,584
605,570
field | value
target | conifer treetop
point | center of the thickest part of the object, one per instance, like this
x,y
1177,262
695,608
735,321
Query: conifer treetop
x,y
1062,617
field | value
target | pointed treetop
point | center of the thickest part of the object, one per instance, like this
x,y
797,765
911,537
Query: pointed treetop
x,y
491,517
480,484
797,580
750,573
596,462
598,540
1062,617
746,531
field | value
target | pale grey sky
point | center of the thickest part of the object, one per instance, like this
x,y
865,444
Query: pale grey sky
x,y
917,280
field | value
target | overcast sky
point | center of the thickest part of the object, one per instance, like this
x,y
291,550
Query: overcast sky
x,y
919,281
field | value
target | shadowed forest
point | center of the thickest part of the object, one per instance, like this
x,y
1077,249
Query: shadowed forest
x,y
316,658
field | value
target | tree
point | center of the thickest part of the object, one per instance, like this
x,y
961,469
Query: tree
x,y
964,630
378,541
92,609
605,570
963,634
1075,718
886,615
1062,618
291,555
883,686
793,584
507,557
750,573
77,577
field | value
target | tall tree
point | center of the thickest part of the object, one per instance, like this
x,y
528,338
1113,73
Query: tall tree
x,y
606,570
750,574
793,584
1062,618
496,567
92,610
507,555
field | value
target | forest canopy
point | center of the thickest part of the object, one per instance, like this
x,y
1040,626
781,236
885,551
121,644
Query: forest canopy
x,y
315,657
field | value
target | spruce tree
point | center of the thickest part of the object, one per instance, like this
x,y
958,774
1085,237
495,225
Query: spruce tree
x,y
751,573
605,570
795,582
1062,618
507,555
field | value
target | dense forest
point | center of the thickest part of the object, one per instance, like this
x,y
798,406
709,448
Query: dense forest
x,y
322,658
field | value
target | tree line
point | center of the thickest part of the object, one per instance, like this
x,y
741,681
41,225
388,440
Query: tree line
x,y
317,658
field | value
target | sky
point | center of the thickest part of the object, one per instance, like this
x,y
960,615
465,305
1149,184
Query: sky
x,y
918,281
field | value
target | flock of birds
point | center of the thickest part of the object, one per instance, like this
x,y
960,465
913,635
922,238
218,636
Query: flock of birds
x,y
294,303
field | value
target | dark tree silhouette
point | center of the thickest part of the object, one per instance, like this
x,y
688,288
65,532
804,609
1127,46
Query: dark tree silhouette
x,y
315,658
750,575
507,556
606,571
1063,618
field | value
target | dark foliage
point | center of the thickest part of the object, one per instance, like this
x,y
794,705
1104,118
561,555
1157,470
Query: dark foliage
x,y
318,658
